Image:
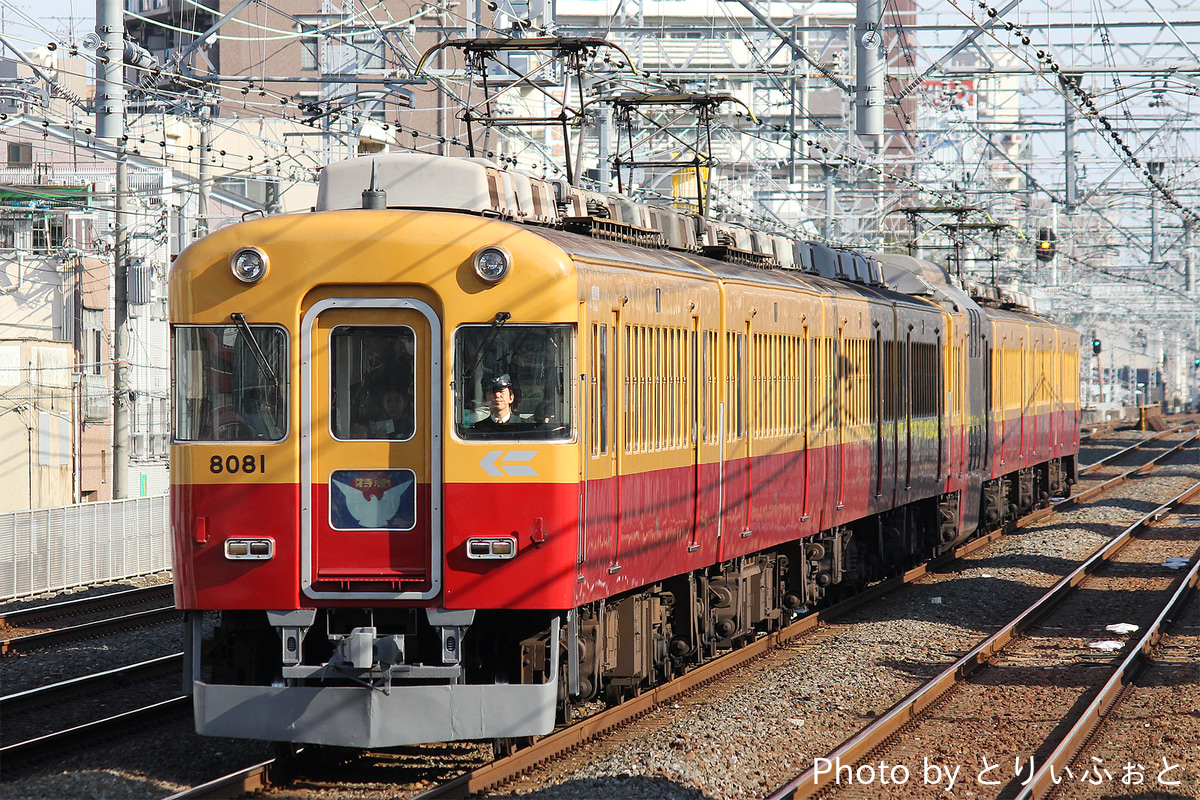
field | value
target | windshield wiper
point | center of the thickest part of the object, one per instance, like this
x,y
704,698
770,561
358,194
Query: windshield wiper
x,y
263,364
499,320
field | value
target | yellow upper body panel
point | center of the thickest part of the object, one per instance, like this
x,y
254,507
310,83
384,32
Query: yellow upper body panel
x,y
372,248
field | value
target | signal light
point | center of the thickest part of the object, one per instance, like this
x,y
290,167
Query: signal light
x,y
1196,362
1046,244
1096,346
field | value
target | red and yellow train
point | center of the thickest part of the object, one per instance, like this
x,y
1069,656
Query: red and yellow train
x,y
462,447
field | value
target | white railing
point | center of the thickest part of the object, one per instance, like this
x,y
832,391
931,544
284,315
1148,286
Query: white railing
x,y
50,549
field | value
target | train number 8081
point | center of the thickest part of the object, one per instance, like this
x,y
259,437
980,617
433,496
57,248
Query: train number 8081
x,y
234,464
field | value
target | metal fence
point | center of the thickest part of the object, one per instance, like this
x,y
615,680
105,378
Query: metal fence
x,y
50,549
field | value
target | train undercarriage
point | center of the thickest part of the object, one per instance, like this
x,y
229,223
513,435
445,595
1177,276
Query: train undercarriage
x,y
606,650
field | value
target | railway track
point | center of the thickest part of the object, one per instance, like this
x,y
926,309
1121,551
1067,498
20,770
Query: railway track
x,y
1125,729
1042,657
89,733
34,628
68,714
560,744
1088,471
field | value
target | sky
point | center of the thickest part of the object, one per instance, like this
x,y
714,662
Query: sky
x,y
25,20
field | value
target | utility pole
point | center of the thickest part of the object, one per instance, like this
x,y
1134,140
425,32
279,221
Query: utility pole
x,y
830,176
205,177
1155,168
1189,260
1071,195
602,149
868,85
110,124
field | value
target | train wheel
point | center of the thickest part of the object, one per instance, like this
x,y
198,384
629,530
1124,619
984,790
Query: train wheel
x,y
565,711
505,746
293,760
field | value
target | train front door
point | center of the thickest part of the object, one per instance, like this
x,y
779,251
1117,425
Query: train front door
x,y
371,378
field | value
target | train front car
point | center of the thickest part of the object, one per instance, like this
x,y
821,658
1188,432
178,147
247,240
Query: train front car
x,y
374,450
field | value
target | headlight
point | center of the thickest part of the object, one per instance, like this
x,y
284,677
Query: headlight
x,y
491,548
248,264
492,264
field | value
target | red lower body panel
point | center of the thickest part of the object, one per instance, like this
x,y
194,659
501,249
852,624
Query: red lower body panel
x,y
204,578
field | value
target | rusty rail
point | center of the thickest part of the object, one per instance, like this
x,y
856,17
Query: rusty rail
x,y
1041,784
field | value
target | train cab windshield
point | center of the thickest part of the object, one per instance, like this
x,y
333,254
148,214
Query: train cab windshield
x,y
230,383
512,381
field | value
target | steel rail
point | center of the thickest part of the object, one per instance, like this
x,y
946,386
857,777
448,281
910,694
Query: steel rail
x,y
1136,446
250,780
27,617
42,695
862,743
1042,783
1088,494
87,630
561,741
57,741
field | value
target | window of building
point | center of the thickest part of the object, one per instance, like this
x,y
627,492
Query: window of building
x,y
310,54
369,51
20,154
93,341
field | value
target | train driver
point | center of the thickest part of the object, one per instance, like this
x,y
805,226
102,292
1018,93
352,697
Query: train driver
x,y
502,401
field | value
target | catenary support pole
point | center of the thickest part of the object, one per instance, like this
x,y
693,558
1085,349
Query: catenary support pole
x,y
110,124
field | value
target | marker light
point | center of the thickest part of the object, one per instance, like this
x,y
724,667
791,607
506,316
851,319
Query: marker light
x,y
491,548
248,264
249,549
492,263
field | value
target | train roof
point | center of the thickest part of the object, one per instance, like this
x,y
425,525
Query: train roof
x,y
642,234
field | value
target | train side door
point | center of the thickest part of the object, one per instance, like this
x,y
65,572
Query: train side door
x,y
906,399
840,397
599,532
806,420
695,423
711,445
371,378
877,391
735,482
